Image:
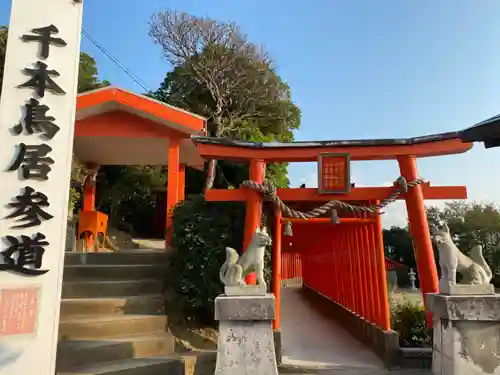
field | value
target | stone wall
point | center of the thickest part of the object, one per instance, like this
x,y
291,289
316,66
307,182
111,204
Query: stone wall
x,y
420,358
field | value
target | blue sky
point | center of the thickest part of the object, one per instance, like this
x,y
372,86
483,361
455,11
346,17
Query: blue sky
x,y
357,69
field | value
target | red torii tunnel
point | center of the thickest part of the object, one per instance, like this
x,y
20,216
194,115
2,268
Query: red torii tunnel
x,y
343,262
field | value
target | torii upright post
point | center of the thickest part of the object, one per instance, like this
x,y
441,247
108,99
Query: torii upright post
x,y
173,186
253,208
419,228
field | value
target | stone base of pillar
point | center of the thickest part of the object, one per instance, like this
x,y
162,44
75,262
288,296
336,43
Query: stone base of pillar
x,y
466,334
246,342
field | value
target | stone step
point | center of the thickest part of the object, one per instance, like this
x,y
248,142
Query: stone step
x,y
144,304
136,366
193,363
113,272
111,288
128,257
109,326
74,354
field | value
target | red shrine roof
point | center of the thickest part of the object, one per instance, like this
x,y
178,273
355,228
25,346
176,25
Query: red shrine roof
x,y
117,127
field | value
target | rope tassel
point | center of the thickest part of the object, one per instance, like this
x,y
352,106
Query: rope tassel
x,y
335,217
288,229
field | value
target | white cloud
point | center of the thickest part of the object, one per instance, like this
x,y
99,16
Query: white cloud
x,y
395,214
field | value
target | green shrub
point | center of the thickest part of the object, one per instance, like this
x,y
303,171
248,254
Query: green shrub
x,y
201,232
409,321
74,197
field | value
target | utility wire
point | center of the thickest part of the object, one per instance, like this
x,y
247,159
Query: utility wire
x,y
117,62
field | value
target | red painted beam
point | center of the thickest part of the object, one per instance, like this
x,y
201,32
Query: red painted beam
x,y
327,220
356,194
304,154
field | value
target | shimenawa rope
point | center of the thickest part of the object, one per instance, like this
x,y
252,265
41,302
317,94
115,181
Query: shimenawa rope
x,y
268,190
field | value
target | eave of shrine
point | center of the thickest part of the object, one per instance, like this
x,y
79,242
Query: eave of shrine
x,y
487,131
369,149
117,127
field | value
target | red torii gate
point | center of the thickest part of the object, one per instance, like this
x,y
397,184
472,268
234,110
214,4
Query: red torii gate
x,y
405,151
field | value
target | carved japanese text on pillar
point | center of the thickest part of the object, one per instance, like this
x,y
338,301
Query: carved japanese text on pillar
x,y
33,161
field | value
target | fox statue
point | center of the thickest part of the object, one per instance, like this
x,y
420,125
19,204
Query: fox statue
x,y
474,268
236,268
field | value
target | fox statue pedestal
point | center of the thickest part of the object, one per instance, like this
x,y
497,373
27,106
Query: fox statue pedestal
x,y
245,314
466,338
466,316
246,343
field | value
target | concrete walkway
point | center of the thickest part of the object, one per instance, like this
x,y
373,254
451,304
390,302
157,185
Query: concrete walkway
x,y
313,341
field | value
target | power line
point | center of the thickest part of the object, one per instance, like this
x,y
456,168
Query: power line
x,y
117,62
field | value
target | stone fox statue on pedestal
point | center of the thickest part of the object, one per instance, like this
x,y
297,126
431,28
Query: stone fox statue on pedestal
x,y
235,268
474,268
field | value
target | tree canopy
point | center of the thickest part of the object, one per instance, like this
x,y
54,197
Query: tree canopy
x,y
88,78
274,116
3,48
218,73
399,246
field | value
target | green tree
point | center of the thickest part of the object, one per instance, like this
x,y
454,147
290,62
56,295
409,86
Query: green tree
x,y
3,48
399,246
219,74
125,193
88,78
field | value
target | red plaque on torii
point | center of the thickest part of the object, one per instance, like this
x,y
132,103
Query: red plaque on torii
x,y
334,174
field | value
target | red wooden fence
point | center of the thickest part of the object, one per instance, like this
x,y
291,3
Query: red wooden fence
x,y
343,262
291,265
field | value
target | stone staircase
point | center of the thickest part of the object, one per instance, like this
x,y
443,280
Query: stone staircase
x,y
113,318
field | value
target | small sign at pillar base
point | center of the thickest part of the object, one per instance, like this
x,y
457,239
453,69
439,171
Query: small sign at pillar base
x,y
334,174
18,311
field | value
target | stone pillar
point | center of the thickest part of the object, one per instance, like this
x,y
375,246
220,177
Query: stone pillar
x,y
246,343
276,283
466,334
